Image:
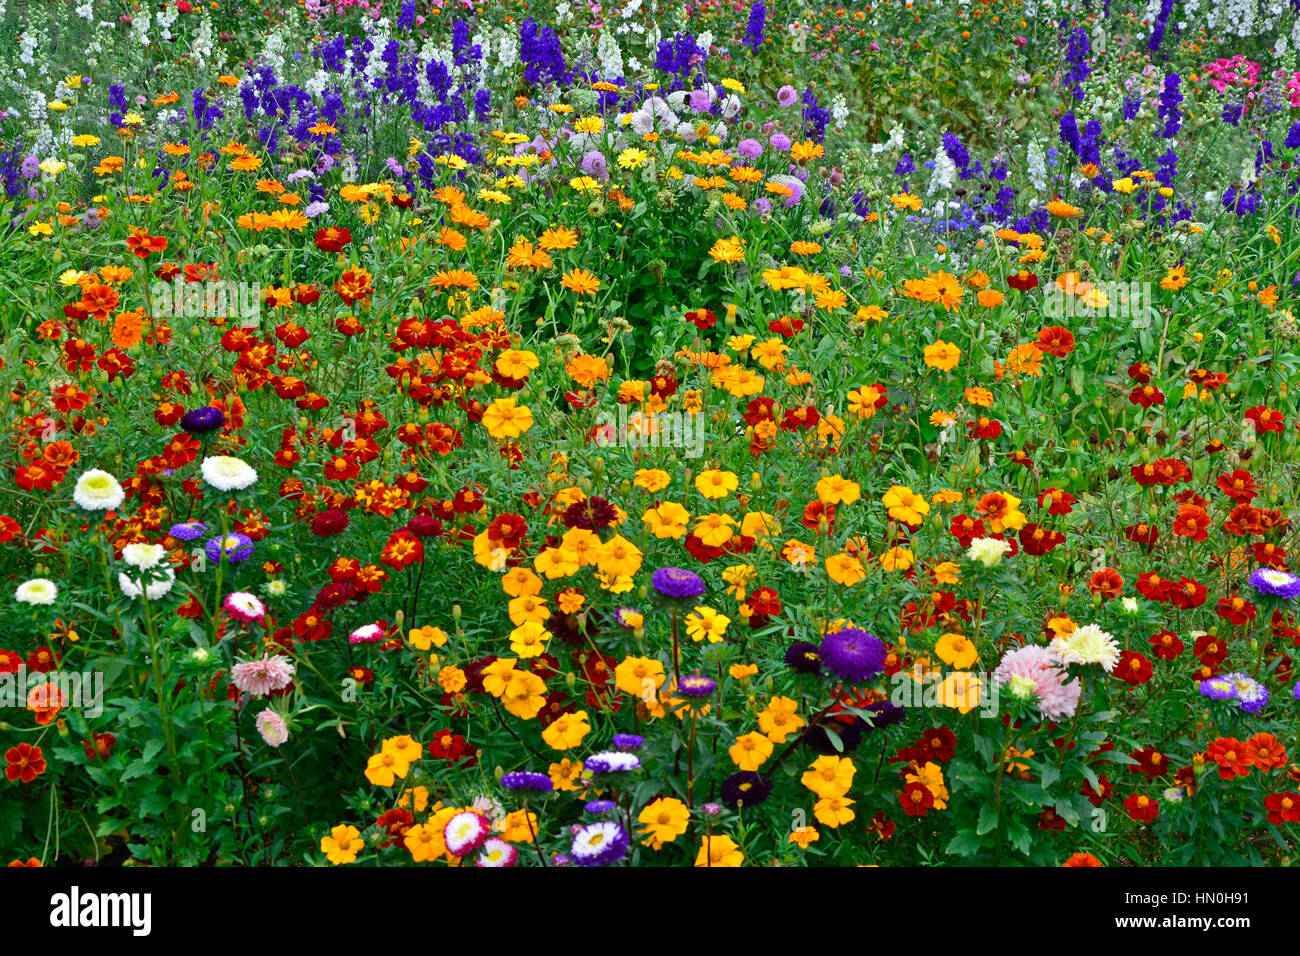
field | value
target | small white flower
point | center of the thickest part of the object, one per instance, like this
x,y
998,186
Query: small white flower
x,y
227,474
276,588
36,591
97,490
1129,605
143,556
988,551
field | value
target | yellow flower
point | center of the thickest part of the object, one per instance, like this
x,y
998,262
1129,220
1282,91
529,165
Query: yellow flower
x,y
619,556
719,850
715,483
956,651
343,844
581,282
897,559
780,719
960,690
751,751
668,520
567,731
742,671
845,569
714,530
425,638
829,776
834,811
704,623
640,676
529,639
905,505
506,419
728,250
930,776
803,836
838,490
942,355
652,479
665,819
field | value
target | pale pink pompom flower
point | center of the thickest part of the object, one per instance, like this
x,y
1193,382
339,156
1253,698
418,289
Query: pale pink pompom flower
x,y
264,676
272,727
1057,698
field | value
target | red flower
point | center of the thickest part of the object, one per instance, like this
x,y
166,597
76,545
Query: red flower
x,y
1146,396
1282,808
1265,419
1056,340
1239,485
1035,539
1082,859
916,799
1023,281
1269,752
144,245
1234,757
332,239
1133,668
1142,808
702,319
1151,763
100,747
26,762
1235,609
1187,594
984,427
1107,583
1166,645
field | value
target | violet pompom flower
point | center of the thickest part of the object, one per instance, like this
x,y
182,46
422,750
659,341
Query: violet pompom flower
x,y
187,530
804,658
628,741
200,421
677,583
527,780
853,654
1276,583
1251,695
235,547
598,807
599,844
696,686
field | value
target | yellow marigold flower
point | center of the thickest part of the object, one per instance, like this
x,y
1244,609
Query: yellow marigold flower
x,y
905,505
838,490
751,751
706,624
728,250
956,651
833,811
844,569
665,819
803,836
942,355
426,638
343,844
567,731
581,282
719,850
780,719
716,483
504,418
829,776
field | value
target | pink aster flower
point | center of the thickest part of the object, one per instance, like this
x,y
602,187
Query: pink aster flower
x,y
243,606
1036,669
366,634
264,676
272,727
466,832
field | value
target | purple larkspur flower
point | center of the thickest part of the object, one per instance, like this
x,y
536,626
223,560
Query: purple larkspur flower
x,y
237,547
599,844
200,421
187,530
853,654
628,741
696,685
527,780
1277,583
677,583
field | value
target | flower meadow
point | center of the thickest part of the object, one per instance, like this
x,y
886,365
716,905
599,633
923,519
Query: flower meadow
x,y
649,433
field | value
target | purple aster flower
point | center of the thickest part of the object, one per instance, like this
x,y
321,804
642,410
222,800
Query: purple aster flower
x,y
853,654
696,686
1295,691
237,547
200,421
1252,696
597,807
628,741
526,780
599,844
804,658
762,205
677,583
711,809
187,530
746,788
1282,584
1218,688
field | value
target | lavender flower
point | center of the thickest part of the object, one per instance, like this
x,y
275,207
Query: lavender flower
x,y
236,547
1218,688
612,761
187,530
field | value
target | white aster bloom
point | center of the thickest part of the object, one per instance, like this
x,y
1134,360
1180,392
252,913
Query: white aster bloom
x,y
227,474
157,587
1087,645
97,490
143,556
36,591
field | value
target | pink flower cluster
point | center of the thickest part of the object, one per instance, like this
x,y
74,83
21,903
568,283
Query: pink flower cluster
x,y
1056,697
